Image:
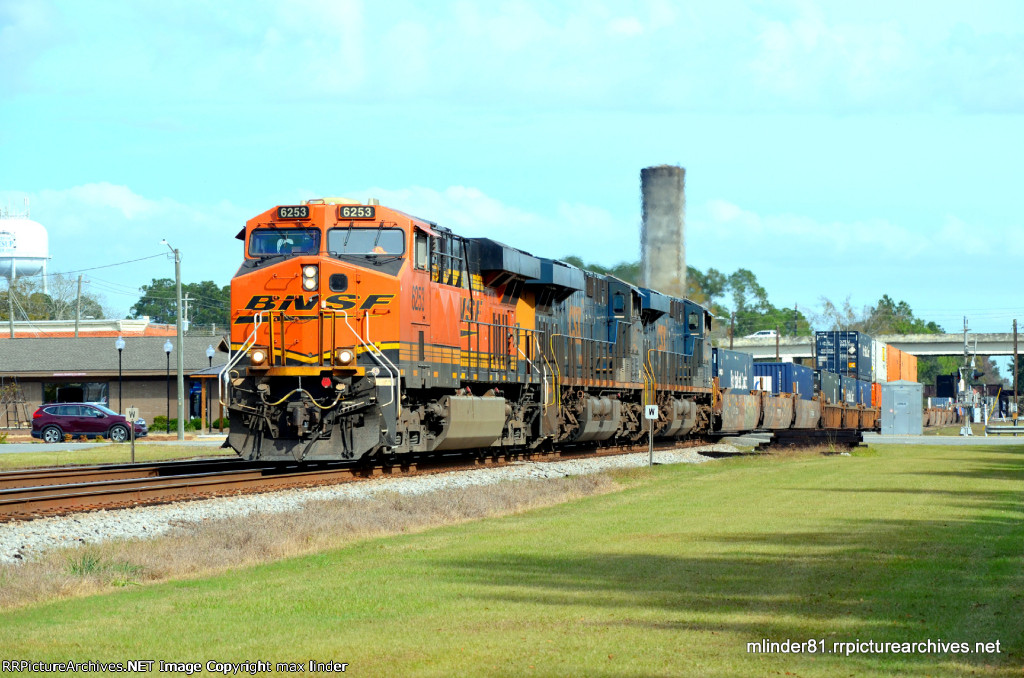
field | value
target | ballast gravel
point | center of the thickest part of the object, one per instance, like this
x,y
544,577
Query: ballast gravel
x,y
21,541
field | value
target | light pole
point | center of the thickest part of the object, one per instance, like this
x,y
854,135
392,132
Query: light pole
x,y
206,385
168,347
181,344
119,344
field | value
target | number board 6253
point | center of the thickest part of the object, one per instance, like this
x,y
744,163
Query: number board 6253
x,y
356,212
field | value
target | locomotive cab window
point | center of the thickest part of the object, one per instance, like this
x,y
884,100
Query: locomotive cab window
x,y
366,242
694,322
272,242
422,250
619,305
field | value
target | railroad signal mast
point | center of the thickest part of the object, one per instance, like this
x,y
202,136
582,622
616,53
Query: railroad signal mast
x,y
967,398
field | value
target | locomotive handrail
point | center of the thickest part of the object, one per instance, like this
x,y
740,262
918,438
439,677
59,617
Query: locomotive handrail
x,y
233,360
380,357
649,378
543,373
540,350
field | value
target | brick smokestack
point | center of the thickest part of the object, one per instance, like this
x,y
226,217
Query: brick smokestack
x,y
662,243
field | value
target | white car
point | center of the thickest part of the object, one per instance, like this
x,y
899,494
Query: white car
x,y
762,334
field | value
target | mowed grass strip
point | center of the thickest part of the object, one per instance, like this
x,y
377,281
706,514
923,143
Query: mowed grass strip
x,y
108,454
672,576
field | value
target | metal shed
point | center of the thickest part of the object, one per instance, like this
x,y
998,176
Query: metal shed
x,y
901,408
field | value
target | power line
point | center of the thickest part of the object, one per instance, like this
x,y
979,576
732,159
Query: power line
x,y
94,268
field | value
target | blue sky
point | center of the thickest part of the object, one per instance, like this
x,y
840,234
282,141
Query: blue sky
x,y
833,149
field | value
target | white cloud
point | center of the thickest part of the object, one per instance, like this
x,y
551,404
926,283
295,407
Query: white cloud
x,y
587,231
94,225
726,57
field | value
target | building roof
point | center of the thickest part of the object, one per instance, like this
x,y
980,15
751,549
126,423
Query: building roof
x,y
97,356
131,327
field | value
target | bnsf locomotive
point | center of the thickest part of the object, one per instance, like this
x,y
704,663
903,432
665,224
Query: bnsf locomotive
x,y
358,330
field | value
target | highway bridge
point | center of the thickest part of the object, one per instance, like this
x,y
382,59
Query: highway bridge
x,y
989,344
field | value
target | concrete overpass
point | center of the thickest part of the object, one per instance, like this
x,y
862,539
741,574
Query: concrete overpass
x,y
989,344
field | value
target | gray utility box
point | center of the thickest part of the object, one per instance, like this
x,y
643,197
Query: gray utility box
x,y
901,408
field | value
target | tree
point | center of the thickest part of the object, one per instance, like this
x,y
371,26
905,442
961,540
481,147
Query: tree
x,y
711,289
58,302
208,304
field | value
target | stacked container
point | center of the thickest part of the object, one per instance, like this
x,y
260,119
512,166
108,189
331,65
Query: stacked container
x,y
864,393
733,369
784,378
850,390
829,385
879,360
901,365
845,353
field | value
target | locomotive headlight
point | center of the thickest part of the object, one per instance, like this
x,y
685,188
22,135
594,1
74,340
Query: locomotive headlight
x,y
258,356
310,278
345,356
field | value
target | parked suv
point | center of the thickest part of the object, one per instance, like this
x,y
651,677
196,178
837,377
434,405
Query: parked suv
x,y
51,422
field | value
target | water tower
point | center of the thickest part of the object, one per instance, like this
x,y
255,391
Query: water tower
x,y
24,246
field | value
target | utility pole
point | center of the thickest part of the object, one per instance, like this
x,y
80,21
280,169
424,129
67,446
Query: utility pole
x,y
10,303
967,403
78,305
186,300
1016,398
181,346
732,325
776,343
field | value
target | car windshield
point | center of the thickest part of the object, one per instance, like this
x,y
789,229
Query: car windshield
x,y
103,408
272,242
366,241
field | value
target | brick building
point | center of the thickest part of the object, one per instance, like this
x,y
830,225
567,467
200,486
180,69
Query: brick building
x,y
85,368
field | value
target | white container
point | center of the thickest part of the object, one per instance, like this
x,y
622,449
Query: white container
x,y
879,364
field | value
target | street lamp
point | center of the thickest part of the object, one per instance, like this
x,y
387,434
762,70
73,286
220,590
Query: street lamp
x,y
209,358
168,347
181,344
119,345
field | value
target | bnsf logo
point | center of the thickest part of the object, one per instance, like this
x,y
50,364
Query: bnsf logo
x,y
298,302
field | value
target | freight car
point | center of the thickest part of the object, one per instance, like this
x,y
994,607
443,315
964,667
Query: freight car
x,y
360,331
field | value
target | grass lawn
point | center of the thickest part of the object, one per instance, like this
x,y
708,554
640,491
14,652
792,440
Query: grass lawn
x,y
672,576
108,454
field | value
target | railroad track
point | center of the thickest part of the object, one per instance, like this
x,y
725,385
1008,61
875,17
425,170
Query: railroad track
x,y
35,493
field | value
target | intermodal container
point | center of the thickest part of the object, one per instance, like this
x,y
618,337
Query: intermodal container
x,y
864,393
850,393
733,369
879,357
784,378
829,386
908,367
845,353
876,395
892,364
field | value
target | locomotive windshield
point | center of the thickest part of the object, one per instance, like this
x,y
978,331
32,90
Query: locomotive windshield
x,y
366,241
272,242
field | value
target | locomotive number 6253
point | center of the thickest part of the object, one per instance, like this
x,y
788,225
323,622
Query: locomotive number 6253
x,y
356,212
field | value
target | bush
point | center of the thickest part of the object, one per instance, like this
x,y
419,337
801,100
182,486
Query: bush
x,y
160,424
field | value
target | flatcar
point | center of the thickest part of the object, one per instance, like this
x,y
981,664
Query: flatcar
x,y
359,331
